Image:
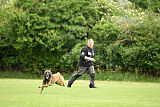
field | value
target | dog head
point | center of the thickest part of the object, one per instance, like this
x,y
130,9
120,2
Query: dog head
x,y
47,74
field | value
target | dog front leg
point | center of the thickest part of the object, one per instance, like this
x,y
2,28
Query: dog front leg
x,y
42,87
41,90
46,85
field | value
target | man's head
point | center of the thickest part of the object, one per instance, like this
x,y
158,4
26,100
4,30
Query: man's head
x,y
90,43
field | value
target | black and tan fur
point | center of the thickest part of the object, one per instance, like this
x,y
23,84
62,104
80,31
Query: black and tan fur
x,y
50,79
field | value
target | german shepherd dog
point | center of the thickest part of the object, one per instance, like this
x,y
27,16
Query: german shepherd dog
x,y
50,79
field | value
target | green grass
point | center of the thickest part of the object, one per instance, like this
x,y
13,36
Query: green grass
x,y
24,93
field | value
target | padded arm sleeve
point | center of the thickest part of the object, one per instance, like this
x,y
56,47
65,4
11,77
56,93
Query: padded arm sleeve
x,y
83,53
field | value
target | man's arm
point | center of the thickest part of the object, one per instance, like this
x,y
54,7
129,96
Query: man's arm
x,y
88,58
84,53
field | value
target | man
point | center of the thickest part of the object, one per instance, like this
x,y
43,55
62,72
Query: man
x,y
85,64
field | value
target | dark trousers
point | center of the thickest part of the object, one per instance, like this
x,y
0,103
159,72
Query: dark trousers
x,y
81,70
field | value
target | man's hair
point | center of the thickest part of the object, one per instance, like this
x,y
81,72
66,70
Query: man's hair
x,y
90,39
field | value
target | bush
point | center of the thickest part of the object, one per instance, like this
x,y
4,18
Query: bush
x,y
39,34
148,4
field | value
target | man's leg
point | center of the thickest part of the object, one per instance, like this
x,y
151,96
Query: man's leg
x,y
81,70
92,76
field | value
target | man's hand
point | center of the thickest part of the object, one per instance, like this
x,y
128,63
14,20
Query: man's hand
x,y
92,59
88,58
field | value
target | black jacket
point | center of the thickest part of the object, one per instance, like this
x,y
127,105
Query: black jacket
x,y
86,51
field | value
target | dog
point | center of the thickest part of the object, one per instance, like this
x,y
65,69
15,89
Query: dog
x,y
50,79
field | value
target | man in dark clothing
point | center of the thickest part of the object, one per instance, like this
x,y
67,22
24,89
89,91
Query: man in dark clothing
x,y
85,64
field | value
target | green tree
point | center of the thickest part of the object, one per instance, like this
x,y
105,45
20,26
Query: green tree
x,y
148,4
38,34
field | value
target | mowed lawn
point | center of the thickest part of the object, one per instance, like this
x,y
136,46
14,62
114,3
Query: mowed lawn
x,y
25,93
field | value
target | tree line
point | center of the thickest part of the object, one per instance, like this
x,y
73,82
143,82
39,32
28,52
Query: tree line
x,y
39,34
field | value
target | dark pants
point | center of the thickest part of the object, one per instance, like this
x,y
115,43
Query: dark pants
x,y
81,70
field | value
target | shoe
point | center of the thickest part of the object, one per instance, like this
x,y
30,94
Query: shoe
x,y
69,84
92,86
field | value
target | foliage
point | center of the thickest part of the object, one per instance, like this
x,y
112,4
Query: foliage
x,y
100,76
148,4
38,34
71,59
41,32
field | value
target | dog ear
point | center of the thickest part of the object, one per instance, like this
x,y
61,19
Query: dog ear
x,y
45,70
50,69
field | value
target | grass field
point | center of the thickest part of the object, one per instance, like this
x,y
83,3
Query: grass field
x,y
25,93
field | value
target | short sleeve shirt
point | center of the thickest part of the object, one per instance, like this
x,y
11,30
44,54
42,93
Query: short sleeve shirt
x,y
86,51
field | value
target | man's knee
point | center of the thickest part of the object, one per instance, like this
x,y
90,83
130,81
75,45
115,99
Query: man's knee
x,y
91,70
76,75
92,74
